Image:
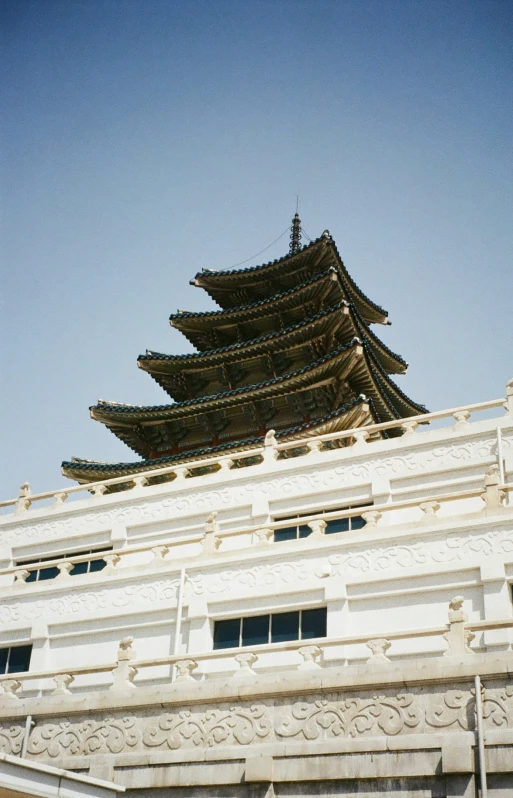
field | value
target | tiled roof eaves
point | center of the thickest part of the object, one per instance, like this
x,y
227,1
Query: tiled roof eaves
x,y
128,409
363,331
323,239
355,286
251,305
161,462
246,344
386,383
366,331
248,269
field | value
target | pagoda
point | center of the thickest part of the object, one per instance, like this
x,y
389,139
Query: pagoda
x,y
290,350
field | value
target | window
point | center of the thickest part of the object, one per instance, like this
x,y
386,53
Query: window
x,y
51,571
299,530
279,627
15,659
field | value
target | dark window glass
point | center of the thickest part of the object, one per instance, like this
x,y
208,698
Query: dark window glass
x,y
332,526
3,659
48,573
289,533
19,659
337,525
97,565
51,573
284,626
313,623
79,568
255,630
227,633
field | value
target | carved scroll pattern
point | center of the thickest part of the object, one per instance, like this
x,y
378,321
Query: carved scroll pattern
x,y
139,594
108,736
351,717
459,706
454,548
11,738
261,576
235,725
316,717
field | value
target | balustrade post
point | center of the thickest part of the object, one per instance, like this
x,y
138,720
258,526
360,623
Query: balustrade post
x,y
140,482
462,417
371,518
62,682
379,646
314,446
211,541
360,438
20,577
493,497
60,498
124,673
270,443
458,638
264,535
317,528
430,510
311,655
409,427
24,500
508,404
226,463
64,569
112,560
180,473
159,555
98,491
185,668
245,661
11,688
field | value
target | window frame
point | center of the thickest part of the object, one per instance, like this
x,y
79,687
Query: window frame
x,y
9,650
270,615
46,563
301,528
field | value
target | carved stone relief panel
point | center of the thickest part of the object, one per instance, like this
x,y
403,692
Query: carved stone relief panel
x,y
11,738
452,548
134,595
317,717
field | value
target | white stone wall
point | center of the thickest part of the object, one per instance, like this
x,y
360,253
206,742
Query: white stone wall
x,y
399,574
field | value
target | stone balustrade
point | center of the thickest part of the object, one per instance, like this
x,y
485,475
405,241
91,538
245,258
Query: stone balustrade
x,y
458,635
271,450
493,498
378,723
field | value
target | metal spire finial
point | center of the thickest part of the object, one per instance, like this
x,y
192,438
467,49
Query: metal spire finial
x,y
295,232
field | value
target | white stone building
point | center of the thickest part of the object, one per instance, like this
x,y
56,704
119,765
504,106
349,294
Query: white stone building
x,y
306,613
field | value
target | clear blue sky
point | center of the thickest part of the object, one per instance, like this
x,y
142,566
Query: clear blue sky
x,y
145,139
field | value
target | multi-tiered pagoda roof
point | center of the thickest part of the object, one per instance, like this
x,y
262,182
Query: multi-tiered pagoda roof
x,y
291,349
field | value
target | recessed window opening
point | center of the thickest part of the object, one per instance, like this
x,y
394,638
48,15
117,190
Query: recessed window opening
x,y
298,530
279,627
50,572
15,659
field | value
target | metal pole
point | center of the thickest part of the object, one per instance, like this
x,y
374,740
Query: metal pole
x,y
179,610
28,726
499,455
480,738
